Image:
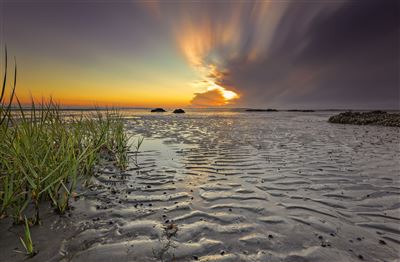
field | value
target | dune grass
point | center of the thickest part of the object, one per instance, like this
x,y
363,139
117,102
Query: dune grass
x,y
44,154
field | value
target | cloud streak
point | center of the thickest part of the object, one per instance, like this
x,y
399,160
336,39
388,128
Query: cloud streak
x,y
306,54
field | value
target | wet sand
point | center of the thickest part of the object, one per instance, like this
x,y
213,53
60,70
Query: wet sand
x,y
287,186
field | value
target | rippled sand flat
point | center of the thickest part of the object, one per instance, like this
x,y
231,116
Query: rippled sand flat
x,y
245,187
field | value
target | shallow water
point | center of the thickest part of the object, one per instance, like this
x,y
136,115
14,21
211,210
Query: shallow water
x,y
231,186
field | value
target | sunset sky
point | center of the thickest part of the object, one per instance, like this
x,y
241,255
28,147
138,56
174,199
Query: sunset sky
x,y
284,54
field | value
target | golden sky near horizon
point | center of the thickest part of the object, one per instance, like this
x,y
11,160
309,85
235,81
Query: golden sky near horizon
x,y
130,61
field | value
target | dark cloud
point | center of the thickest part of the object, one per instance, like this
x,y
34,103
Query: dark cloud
x,y
345,56
299,53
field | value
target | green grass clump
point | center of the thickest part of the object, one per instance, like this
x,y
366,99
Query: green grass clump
x,y
44,154
27,242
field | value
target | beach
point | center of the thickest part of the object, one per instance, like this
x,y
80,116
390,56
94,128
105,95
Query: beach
x,y
223,185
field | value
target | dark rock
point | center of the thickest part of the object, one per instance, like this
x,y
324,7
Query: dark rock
x,y
179,111
158,110
379,118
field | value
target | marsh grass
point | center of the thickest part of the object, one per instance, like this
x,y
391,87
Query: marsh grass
x,y
27,242
45,154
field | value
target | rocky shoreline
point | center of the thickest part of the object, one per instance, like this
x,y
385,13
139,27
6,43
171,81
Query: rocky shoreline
x,y
380,118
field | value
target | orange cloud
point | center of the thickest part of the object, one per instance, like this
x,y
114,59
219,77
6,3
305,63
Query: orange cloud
x,y
211,36
213,97
208,99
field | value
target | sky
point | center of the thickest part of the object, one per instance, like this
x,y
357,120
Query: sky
x,y
316,54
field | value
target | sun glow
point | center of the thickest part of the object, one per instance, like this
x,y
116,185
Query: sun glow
x,y
227,94
213,95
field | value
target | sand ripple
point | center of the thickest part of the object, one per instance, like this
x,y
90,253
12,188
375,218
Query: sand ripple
x,y
247,187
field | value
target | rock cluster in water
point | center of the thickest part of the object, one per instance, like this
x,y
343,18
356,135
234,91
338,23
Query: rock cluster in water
x,y
179,111
380,118
158,110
